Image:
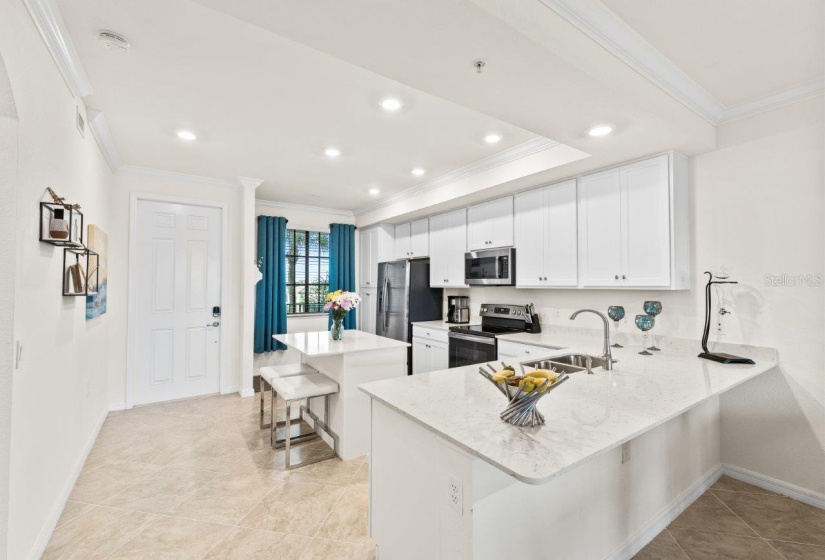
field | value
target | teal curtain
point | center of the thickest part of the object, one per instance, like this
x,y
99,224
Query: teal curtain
x,y
342,264
270,292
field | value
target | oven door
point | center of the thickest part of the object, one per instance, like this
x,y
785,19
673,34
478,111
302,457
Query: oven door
x,y
490,268
467,349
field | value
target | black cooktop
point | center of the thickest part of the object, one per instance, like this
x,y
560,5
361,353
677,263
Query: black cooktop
x,y
485,330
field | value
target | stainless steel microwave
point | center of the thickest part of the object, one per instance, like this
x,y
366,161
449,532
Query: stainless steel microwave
x,y
491,267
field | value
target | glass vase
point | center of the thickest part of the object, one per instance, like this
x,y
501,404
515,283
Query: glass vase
x,y
337,328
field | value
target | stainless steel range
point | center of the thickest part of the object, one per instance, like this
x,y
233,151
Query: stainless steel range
x,y
473,344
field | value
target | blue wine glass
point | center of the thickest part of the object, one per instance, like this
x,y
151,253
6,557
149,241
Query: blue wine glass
x,y
616,312
645,323
653,308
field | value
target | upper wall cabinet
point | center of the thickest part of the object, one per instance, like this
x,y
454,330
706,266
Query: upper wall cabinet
x,y
448,243
545,237
376,244
633,225
412,239
490,224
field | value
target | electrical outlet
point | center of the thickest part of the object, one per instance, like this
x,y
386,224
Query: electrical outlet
x,y
625,452
455,494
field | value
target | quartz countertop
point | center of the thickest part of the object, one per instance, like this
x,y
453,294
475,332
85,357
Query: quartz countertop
x,y
320,343
438,325
587,416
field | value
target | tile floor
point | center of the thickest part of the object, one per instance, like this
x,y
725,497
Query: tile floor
x,y
738,521
198,479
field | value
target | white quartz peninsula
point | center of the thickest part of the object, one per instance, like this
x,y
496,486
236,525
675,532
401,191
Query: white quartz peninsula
x,y
359,357
475,487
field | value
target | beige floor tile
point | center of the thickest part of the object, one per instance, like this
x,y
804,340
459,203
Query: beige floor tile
x,y
709,514
796,551
162,490
700,545
226,499
169,537
255,544
334,472
101,483
362,475
294,507
321,549
349,519
733,485
663,547
777,517
72,511
95,534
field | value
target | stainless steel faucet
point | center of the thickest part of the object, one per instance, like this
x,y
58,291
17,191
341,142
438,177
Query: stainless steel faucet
x,y
607,356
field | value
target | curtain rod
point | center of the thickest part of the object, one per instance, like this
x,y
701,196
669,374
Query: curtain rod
x,y
353,226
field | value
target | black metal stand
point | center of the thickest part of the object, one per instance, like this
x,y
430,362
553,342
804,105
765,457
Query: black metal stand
x,y
720,357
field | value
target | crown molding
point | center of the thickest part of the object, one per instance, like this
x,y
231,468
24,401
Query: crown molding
x,y
507,156
775,100
48,21
103,136
612,33
249,182
303,208
137,171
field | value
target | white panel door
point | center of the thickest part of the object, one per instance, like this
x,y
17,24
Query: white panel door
x,y
600,226
420,238
365,257
421,355
439,356
530,209
478,227
561,245
646,212
500,218
456,247
178,282
403,249
366,311
440,254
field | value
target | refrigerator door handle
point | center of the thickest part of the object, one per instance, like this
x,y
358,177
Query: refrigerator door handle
x,y
386,303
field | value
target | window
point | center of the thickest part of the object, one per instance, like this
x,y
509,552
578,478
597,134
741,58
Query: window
x,y
307,271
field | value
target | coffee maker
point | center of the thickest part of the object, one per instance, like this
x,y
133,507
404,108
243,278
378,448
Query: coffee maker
x,y
458,309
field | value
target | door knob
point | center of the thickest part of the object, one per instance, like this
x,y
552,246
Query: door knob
x,y
214,324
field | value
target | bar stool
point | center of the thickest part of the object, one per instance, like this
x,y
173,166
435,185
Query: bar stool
x,y
271,372
298,388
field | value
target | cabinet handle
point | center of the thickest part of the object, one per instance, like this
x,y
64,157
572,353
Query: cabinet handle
x,y
545,278
539,278
617,277
624,277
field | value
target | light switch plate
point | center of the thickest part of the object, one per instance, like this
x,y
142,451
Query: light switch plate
x,y
455,493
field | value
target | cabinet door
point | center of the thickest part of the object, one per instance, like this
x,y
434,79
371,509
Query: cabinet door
x,y
600,229
560,245
440,254
439,356
500,222
402,241
477,227
646,223
365,257
366,311
530,208
420,238
456,247
420,355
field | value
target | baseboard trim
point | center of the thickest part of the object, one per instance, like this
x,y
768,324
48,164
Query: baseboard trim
x,y
248,392
643,536
774,485
230,390
116,406
46,532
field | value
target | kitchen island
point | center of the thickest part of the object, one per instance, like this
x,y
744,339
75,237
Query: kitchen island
x,y
360,357
449,479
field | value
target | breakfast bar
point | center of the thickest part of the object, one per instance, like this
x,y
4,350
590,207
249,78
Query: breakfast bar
x,y
359,357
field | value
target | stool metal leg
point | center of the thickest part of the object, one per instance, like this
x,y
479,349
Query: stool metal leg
x,y
264,384
288,435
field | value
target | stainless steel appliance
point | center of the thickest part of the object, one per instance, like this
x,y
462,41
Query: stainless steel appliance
x,y
492,267
458,309
475,344
405,296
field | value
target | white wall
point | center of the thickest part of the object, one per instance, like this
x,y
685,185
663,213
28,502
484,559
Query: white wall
x,y
310,220
757,206
59,395
124,187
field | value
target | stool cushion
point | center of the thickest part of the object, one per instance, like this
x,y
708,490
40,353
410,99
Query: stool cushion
x,y
286,370
304,386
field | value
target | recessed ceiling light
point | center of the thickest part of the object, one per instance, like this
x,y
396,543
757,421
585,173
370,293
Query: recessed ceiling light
x,y
599,130
373,191
418,172
332,152
492,138
187,135
391,104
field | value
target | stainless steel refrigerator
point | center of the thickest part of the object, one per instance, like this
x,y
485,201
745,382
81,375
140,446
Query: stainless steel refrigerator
x,y
404,297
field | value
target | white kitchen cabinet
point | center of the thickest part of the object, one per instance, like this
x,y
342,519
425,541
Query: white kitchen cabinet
x,y
376,245
490,224
366,311
546,237
511,353
429,355
412,239
448,243
633,225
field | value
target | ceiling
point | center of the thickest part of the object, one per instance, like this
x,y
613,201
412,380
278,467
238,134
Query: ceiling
x,y
738,50
266,107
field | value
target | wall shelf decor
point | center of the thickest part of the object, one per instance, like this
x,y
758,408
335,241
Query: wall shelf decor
x,y
61,224
81,272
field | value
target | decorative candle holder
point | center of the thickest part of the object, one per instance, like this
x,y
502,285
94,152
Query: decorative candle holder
x,y
521,408
61,225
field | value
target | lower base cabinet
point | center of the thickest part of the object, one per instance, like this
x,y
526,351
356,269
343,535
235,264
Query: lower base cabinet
x,y
429,355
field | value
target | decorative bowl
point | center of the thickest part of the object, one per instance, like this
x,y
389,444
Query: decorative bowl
x,y
522,397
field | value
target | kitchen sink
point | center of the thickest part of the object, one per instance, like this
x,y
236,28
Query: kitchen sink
x,y
568,363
